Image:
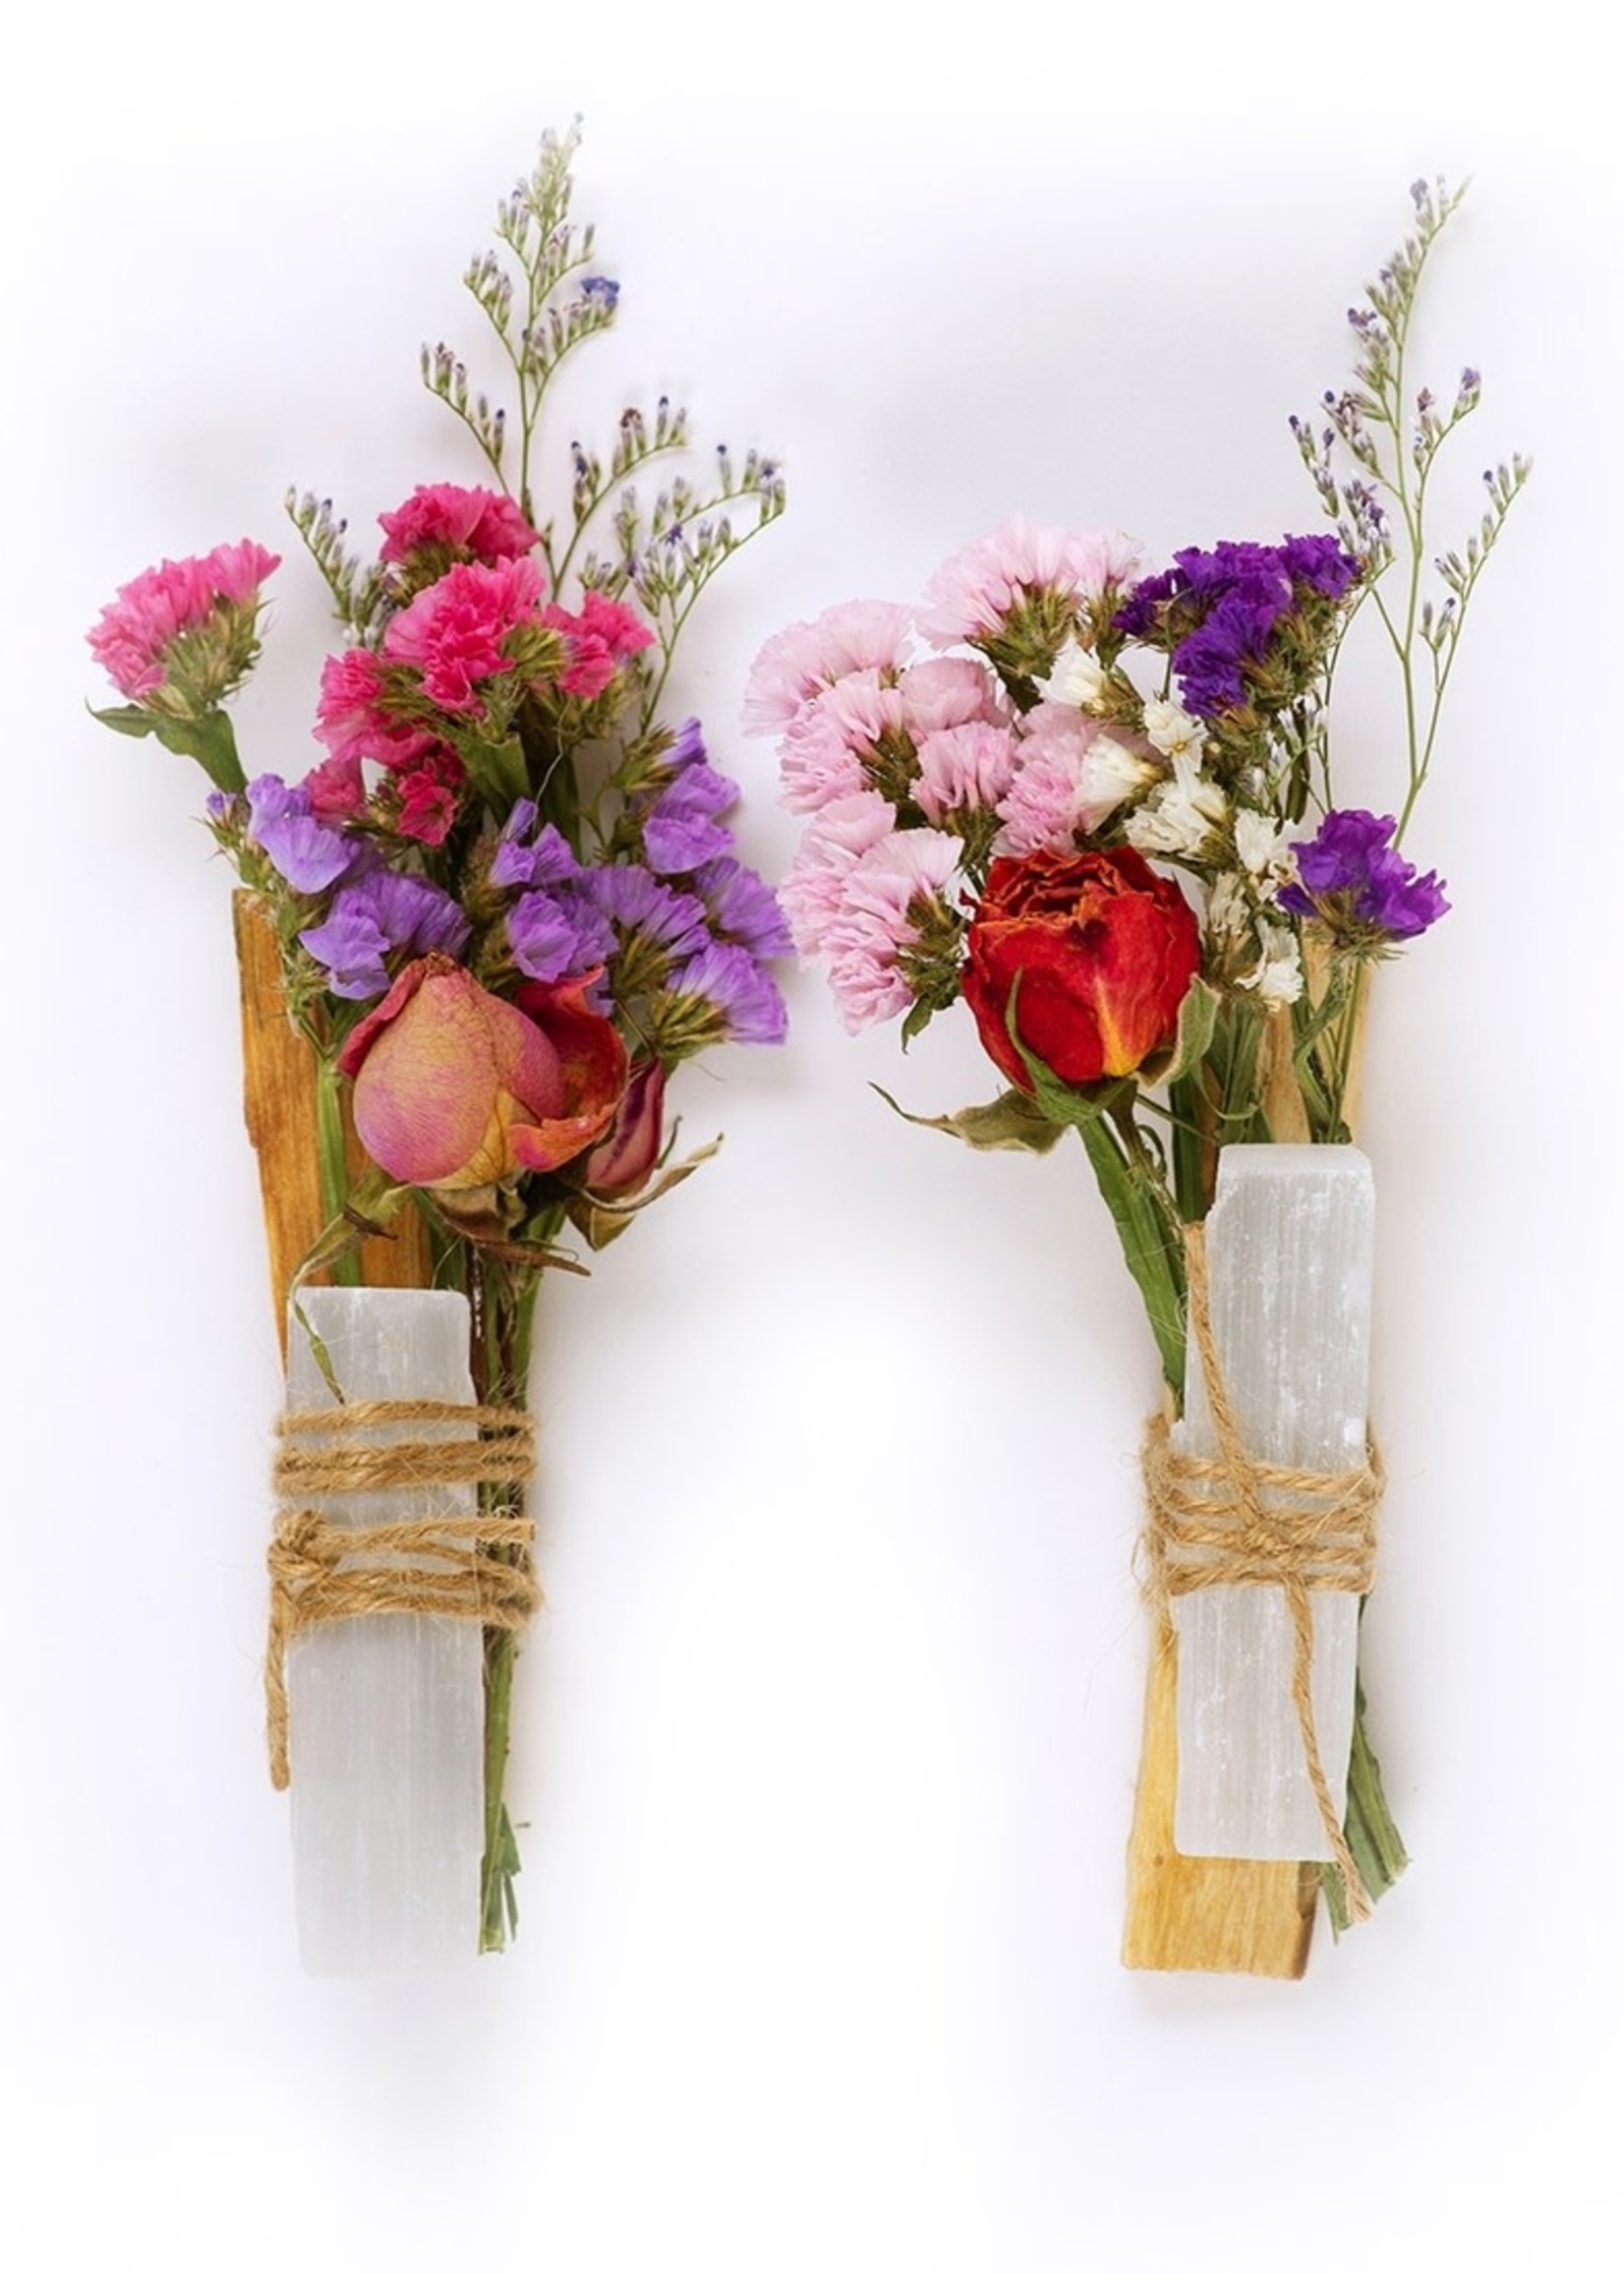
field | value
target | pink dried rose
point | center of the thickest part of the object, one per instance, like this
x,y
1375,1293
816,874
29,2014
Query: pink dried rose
x,y
457,1088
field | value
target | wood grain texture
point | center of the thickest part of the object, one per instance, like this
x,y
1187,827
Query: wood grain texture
x,y
279,1107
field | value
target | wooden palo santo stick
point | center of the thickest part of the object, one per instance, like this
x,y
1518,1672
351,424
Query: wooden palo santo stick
x,y
279,1107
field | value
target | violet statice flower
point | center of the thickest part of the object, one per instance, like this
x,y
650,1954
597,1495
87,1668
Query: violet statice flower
x,y
1218,611
304,850
376,915
636,903
682,829
1359,886
726,992
743,908
541,859
558,935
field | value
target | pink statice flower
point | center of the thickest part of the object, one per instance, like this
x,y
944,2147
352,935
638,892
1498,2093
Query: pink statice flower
x,y
1073,774
452,523
179,638
356,717
457,631
950,692
598,638
813,890
885,897
822,753
964,767
857,635
974,594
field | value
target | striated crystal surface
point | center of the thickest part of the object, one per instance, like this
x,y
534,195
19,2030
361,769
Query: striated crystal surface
x,y
1289,1257
386,1715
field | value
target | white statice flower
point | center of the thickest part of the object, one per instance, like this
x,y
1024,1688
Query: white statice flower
x,y
1170,730
1260,846
1278,975
1181,816
1228,916
1076,677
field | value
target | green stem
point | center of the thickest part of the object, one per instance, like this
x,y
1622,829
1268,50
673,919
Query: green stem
x,y
334,1162
1374,1837
502,1300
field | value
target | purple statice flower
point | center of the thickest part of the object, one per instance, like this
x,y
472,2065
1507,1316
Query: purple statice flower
x,y
682,829
558,935
1351,877
638,903
308,854
730,984
543,858
376,915
743,908
600,292
1220,608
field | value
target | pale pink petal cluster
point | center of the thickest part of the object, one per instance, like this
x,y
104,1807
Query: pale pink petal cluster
x,y
950,692
795,665
821,756
963,767
813,892
1071,775
876,921
972,593
137,629
455,631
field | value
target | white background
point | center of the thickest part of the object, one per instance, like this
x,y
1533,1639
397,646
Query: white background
x,y
828,1733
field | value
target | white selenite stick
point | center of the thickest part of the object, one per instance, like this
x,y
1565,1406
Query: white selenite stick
x,y
385,1714
1290,1248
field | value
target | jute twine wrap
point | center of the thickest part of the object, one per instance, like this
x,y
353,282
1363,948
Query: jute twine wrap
x,y
477,1566
1235,1522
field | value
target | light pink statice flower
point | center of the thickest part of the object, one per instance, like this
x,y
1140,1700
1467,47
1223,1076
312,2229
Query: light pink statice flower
x,y
444,517
950,692
963,767
974,592
813,890
823,752
455,632
1071,775
179,638
878,921
856,635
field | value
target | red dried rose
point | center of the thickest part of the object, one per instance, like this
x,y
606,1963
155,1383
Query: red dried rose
x,y
1104,950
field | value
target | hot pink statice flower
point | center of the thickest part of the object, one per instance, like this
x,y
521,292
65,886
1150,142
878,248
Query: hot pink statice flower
x,y
355,717
857,635
457,631
974,594
179,637
464,524
599,638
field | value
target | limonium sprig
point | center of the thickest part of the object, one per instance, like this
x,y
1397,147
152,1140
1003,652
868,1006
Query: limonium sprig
x,y
1372,452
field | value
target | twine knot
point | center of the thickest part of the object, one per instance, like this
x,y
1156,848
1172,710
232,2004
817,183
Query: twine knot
x,y
477,1566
